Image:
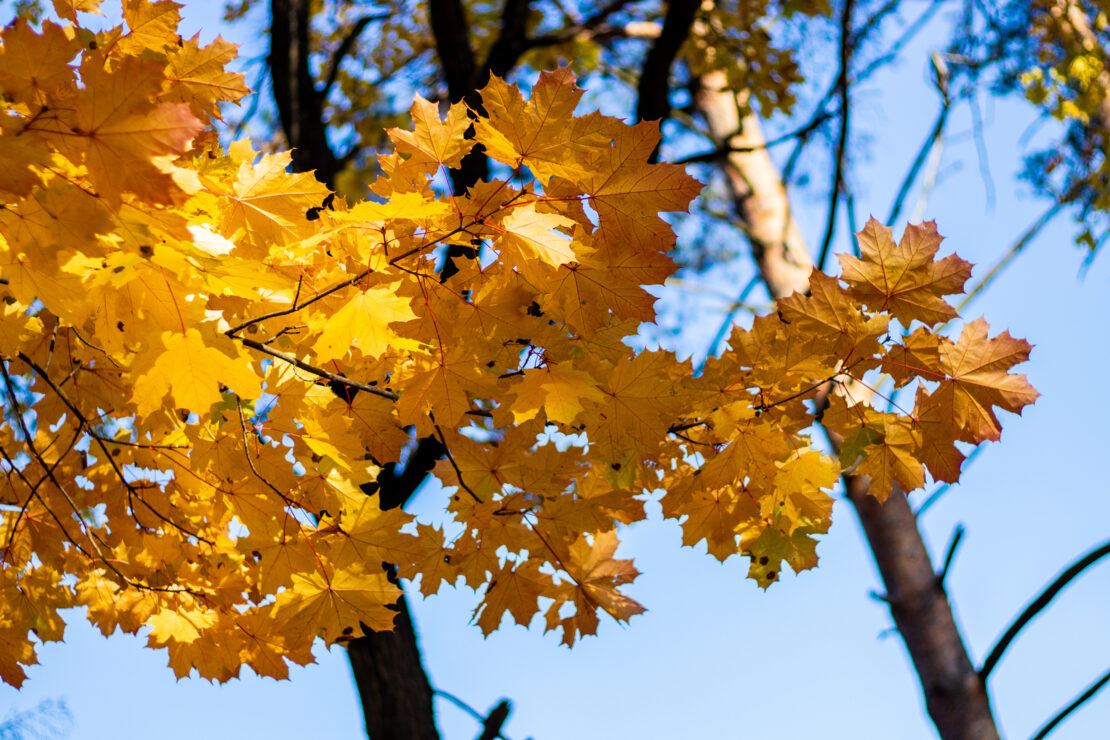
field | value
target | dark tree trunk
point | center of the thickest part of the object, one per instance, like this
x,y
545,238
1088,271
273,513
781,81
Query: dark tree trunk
x,y
955,697
395,693
300,104
392,685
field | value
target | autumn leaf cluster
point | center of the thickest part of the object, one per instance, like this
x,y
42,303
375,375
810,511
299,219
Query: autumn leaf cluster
x,y
207,361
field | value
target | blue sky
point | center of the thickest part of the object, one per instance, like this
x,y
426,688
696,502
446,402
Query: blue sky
x,y
715,656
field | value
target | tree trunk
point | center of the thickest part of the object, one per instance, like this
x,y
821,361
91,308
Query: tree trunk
x,y
394,690
955,697
392,685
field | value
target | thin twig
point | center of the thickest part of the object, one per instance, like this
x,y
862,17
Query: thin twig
x,y
131,489
250,460
1079,701
957,536
927,146
344,49
578,30
297,362
455,465
1015,250
842,137
1039,603
723,151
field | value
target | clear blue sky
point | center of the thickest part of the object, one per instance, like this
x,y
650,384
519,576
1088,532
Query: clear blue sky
x,y
715,657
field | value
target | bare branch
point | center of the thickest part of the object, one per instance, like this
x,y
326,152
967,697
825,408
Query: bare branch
x,y
1079,701
511,41
930,143
842,135
319,372
344,48
585,29
1038,604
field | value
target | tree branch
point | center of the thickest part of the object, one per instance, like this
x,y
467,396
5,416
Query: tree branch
x,y
586,28
345,48
299,103
842,135
1079,701
1043,599
512,40
653,101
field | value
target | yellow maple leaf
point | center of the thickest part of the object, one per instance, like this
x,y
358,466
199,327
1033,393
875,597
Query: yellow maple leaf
x,y
559,389
432,139
117,127
180,625
197,76
904,279
363,323
192,371
69,9
334,606
35,66
530,234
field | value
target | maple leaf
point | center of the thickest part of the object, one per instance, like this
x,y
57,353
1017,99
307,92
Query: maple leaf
x,y
558,389
904,278
34,67
711,514
334,606
116,127
768,546
151,25
69,9
979,380
883,446
363,322
434,140
193,373
596,579
263,202
541,132
514,589
829,314
180,625
530,234
197,76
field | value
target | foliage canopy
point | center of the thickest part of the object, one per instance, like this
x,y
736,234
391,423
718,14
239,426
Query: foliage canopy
x,y
208,360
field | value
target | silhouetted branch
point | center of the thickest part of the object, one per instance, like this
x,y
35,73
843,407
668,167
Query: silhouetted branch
x,y
587,28
927,146
723,151
491,724
1039,603
1079,701
653,102
957,536
1015,250
344,49
842,136
512,40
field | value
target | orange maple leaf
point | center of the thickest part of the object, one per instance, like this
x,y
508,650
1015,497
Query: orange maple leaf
x,y
904,279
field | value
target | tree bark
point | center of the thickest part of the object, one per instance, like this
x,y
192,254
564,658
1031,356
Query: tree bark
x,y
300,104
955,697
757,190
392,685
394,690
